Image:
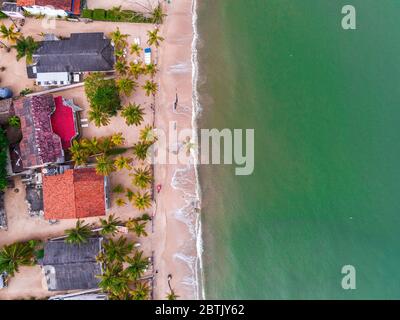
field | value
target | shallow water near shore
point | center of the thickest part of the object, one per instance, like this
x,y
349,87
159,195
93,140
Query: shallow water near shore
x,y
325,106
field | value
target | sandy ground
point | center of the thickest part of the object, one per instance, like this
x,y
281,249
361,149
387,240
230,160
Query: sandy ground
x,y
174,244
172,241
140,6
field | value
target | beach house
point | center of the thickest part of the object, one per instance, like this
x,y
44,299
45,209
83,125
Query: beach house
x,y
74,194
12,10
71,266
48,126
55,8
60,62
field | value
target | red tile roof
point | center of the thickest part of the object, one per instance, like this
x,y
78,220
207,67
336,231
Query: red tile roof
x,y
39,144
77,193
67,5
63,123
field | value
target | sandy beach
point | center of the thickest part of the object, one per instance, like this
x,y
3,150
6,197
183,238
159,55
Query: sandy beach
x,y
176,225
173,236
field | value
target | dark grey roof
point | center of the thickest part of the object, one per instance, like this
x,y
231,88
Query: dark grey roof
x,y
3,217
71,267
82,52
9,6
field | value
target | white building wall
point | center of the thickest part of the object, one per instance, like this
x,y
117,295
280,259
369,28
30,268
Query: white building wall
x,y
48,11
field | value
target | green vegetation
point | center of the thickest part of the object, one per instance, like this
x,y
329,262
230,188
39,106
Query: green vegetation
x,y
99,14
154,38
147,134
9,34
3,160
14,121
116,15
157,16
141,201
105,165
103,97
17,254
133,114
25,48
78,235
142,178
118,281
140,150
137,227
109,226
118,189
25,91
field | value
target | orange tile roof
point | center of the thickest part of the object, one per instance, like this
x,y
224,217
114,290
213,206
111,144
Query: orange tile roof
x,y
25,3
77,193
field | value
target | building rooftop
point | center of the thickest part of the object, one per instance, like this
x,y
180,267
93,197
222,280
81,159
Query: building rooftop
x,y
77,193
71,266
82,52
6,110
64,122
72,6
39,144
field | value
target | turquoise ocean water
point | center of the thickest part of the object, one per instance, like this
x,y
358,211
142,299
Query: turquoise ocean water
x,y
325,106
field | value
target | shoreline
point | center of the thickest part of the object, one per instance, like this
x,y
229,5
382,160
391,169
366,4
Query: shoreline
x,y
177,241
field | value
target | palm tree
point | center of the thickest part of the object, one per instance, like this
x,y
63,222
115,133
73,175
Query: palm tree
x,y
129,194
121,67
141,291
140,150
157,16
118,139
126,86
120,202
154,38
98,116
133,114
119,38
78,235
147,134
136,69
104,166
78,153
136,227
106,144
151,69
142,201
142,178
117,250
26,47
9,33
114,280
110,225
123,163
135,49
172,295
137,266
118,189
15,255
150,87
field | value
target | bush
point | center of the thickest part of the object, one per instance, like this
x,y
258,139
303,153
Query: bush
x,y
87,13
2,15
102,94
117,16
99,14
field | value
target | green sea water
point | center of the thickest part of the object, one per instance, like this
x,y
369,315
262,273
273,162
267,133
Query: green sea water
x,y
325,106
